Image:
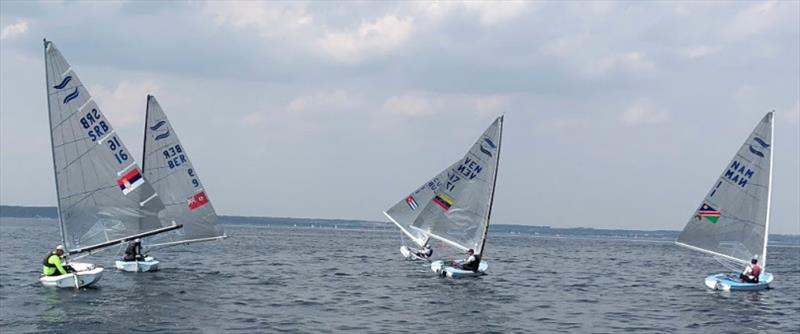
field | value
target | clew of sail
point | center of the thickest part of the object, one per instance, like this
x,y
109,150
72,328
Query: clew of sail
x,y
732,220
455,205
167,166
103,196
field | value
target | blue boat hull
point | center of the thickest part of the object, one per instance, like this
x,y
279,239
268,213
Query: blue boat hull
x,y
731,282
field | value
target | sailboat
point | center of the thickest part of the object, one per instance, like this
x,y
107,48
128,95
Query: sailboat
x,y
167,166
455,206
103,198
732,221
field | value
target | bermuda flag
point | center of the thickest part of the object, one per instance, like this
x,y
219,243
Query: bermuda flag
x,y
443,201
197,200
411,203
130,181
707,212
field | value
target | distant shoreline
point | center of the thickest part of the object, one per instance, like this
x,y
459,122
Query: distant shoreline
x,y
13,211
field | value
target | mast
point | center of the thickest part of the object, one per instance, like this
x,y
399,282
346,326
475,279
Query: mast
x,y
144,137
52,144
769,189
494,184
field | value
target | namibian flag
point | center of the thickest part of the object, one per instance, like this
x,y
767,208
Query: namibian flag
x,y
197,200
412,203
130,181
706,211
443,200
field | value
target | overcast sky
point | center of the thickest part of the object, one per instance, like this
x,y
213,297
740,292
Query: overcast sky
x,y
618,114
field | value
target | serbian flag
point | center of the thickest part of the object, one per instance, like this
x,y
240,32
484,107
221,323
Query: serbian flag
x,y
130,181
197,200
707,212
443,201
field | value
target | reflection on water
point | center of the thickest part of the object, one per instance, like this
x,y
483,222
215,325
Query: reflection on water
x,y
326,280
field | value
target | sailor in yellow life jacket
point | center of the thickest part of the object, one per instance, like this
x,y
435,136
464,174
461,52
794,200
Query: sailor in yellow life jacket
x,y
52,263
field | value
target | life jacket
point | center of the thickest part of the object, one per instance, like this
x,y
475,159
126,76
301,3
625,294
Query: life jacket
x,y
755,271
46,261
474,265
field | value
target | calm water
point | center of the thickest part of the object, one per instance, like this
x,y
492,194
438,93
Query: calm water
x,y
315,280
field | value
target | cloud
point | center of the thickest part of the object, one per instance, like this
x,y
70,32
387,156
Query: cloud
x,y
409,105
336,101
633,62
699,51
371,38
759,18
490,12
124,104
642,112
270,19
12,31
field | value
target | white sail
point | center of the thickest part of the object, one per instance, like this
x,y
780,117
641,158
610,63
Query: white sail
x,y
732,220
167,166
103,198
455,205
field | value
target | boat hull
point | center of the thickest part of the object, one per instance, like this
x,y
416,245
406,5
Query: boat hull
x,y
149,264
731,282
452,269
85,275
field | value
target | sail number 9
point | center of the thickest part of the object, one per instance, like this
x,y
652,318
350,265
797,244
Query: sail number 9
x,y
195,183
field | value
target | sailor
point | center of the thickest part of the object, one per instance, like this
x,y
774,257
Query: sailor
x,y
134,251
425,252
751,272
472,261
52,263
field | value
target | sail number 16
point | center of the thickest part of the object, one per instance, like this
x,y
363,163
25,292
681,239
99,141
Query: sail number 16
x,y
117,149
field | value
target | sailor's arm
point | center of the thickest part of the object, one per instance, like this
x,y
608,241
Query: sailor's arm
x,y
57,263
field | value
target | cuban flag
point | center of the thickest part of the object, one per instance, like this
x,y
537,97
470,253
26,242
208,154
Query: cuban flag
x,y
412,203
130,181
197,200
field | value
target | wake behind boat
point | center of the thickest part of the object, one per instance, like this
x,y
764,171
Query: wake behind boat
x,y
103,199
167,166
455,206
732,222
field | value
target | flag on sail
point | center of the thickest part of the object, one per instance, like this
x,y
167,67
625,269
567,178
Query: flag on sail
x,y
197,200
130,181
706,211
443,201
412,203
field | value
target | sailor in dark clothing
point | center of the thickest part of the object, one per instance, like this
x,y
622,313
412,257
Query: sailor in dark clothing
x,y
134,251
472,261
425,252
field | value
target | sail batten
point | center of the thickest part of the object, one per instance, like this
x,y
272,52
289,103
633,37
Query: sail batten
x,y
732,220
97,204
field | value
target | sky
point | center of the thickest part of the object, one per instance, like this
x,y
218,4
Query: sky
x,y
618,114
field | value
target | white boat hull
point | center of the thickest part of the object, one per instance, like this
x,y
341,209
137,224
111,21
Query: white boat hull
x,y
149,264
85,275
452,269
731,282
